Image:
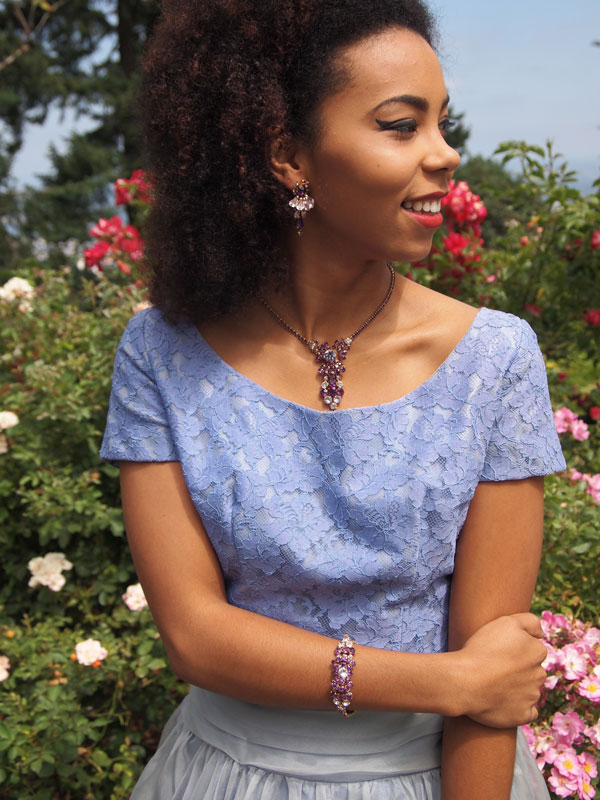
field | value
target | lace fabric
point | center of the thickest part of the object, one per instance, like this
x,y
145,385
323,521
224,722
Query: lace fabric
x,y
344,521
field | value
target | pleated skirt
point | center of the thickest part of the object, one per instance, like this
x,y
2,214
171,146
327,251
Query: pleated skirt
x,y
217,748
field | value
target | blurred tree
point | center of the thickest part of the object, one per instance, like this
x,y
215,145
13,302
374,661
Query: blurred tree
x,y
84,56
457,137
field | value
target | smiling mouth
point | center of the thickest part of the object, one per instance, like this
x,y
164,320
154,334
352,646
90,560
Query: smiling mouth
x,y
423,207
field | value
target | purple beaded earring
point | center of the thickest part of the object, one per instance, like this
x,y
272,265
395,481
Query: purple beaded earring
x,y
301,202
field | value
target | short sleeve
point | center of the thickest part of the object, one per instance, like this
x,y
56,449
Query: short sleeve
x,y
137,427
523,440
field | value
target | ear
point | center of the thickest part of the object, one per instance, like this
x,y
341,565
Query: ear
x,y
285,158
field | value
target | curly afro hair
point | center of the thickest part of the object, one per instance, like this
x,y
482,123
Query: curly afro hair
x,y
220,78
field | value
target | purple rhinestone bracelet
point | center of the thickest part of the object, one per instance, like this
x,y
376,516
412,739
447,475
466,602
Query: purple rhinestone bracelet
x,y
341,682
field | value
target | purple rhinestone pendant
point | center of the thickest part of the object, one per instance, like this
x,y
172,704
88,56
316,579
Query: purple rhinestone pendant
x,y
331,369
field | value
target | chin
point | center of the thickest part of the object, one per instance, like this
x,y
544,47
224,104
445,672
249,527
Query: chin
x,y
410,254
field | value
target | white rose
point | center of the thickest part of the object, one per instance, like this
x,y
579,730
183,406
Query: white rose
x,y
135,598
4,667
57,561
16,287
90,651
46,571
35,564
8,420
55,581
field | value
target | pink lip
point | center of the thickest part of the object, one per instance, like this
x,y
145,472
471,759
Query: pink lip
x,y
427,220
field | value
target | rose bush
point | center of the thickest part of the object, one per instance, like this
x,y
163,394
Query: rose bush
x,y
566,737
84,682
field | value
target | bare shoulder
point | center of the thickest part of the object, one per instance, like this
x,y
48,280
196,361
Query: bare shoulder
x,y
434,318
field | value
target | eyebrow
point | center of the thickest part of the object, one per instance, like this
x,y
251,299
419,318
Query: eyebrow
x,y
412,100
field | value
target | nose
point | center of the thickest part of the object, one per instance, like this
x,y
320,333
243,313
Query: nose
x,y
440,155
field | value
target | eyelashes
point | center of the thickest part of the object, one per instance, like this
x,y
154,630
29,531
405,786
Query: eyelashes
x,y
407,126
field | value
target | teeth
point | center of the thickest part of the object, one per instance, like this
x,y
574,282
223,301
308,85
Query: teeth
x,y
429,206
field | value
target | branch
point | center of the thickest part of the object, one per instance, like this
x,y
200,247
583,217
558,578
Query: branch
x,y
30,35
19,15
23,48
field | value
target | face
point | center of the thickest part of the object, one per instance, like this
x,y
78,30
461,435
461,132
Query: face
x,y
382,149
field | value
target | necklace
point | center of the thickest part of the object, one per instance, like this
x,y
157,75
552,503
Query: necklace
x,y
330,358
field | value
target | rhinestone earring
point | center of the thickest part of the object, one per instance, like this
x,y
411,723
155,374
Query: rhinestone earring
x,y
301,202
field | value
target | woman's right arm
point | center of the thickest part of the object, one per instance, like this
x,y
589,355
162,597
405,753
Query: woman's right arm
x,y
245,655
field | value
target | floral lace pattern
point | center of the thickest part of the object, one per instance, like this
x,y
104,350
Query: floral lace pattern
x,y
346,521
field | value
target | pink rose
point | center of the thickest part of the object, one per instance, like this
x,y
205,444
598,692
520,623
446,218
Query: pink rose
x,y
568,727
590,686
593,733
562,785
575,666
580,430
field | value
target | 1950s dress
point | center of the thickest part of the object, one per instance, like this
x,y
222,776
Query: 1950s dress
x,y
333,522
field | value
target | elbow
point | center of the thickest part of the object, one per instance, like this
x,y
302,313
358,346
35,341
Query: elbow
x,y
192,654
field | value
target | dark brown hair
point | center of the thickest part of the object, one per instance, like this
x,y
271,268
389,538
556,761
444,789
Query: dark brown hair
x,y
220,76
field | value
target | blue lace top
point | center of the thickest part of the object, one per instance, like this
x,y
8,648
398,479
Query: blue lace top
x,y
339,521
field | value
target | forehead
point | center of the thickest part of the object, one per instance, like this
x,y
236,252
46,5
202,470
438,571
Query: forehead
x,y
396,61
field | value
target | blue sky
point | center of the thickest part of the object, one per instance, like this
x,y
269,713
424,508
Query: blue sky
x,y
519,69
526,69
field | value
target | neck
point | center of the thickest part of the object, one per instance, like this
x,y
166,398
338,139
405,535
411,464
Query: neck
x,y
327,297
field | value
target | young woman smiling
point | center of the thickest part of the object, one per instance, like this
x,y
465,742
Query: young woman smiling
x,y
312,447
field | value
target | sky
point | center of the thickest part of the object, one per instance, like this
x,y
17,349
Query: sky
x,y
518,69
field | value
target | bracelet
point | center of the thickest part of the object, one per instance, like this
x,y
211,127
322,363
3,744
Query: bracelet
x,y
341,683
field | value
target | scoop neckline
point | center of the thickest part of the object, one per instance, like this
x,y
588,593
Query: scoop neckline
x,y
258,388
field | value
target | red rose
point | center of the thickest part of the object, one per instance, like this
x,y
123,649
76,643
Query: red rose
x,y
533,309
592,316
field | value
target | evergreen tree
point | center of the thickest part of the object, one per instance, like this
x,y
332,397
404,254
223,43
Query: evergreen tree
x,y
85,56
458,136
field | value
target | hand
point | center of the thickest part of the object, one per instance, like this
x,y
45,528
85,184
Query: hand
x,y
502,671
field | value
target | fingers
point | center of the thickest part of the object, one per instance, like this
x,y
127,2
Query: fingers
x,y
530,623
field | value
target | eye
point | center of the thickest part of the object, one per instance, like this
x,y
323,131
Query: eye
x,y
402,127
446,125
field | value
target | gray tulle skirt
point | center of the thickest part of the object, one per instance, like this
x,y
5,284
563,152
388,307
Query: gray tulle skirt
x,y
217,748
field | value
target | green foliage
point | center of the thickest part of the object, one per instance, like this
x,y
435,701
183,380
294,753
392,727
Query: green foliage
x,y
569,578
74,731
55,375
68,730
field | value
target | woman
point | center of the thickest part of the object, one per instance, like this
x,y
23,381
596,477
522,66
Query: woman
x,y
274,501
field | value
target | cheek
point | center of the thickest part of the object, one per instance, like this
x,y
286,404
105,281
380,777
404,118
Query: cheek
x,y
361,178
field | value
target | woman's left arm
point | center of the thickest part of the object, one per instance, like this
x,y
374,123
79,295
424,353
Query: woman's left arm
x,y
497,560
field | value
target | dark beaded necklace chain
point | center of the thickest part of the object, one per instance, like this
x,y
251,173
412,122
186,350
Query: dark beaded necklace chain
x,y
329,357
